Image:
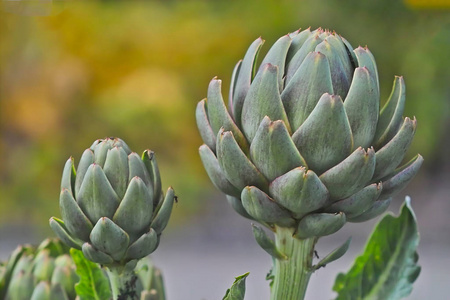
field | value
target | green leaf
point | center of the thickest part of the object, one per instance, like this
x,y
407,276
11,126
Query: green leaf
x,y
333,255
93,284
388,267
237,290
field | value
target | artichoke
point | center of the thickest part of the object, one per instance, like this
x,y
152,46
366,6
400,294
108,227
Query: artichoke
x,y
46,272
303,143
112,206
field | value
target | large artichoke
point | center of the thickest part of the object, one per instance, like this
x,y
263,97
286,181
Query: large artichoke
x,y
45,272
303,143
112,206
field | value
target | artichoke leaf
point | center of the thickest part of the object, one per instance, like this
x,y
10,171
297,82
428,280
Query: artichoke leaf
x,y
365,59
300,191
263,99
108,237
149,159
333,255
277,56
350,52
95,255
377,208
236,204
340,65
325,138
218,115
261,207
236,166
204,127
391,155
297,42
61,232
75,220
96,197
402,177
87,158
215,173
350,175
234,77
359,202
101,151
41,291
266,243
272,151
134,213
319,224
143,246
116,170
137,168
362,107
69,176
244,78
162,215
308,46
57,293
391,115
308,84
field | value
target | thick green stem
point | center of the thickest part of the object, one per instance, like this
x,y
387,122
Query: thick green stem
x,y
291,275
123,283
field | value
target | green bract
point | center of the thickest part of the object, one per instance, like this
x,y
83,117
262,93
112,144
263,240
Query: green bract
x,y
303,142
112,206
46,272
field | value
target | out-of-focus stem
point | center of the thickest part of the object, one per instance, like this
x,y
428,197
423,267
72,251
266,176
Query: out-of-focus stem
x,y
123,283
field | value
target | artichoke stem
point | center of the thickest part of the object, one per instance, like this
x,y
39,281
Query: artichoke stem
x,y
291,275
123,283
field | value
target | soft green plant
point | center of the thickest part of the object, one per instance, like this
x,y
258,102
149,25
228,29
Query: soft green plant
x,y
113,209
43,272
52,272
304,147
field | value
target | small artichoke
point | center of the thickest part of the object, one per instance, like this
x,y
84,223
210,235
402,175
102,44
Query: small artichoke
x,y
45,272
112,206
303,143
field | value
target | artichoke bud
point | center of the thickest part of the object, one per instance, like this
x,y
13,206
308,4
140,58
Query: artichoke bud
x,y
112,204
43,266
44,272
303,142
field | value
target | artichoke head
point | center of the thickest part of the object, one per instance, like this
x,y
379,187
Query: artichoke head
x,y
303,142
112,205
46,272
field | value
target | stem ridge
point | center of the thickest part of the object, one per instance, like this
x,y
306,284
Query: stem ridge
x,y
291,275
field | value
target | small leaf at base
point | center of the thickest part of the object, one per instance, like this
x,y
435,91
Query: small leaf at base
x,y
237,290
333,255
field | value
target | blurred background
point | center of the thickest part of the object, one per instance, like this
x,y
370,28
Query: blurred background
x,y
73,72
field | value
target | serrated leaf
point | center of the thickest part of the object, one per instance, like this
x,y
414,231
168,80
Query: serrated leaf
x,y
388,267
237,290
93,284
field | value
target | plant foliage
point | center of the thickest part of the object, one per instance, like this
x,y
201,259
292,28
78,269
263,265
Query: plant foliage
x,y
388,267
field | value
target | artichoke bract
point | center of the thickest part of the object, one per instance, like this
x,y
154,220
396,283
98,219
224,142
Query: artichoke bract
x,y
303,142
45,272
112,206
